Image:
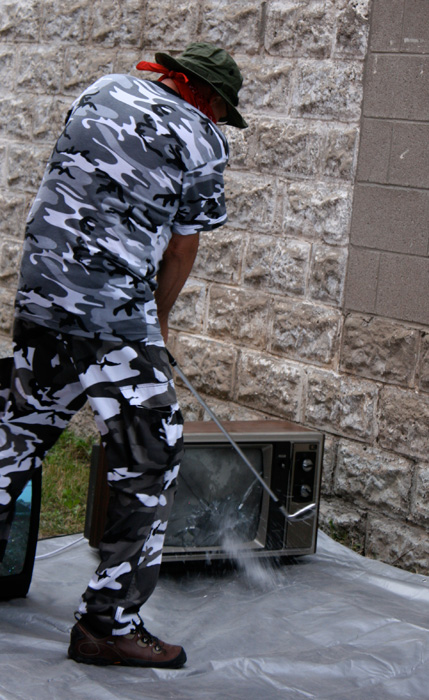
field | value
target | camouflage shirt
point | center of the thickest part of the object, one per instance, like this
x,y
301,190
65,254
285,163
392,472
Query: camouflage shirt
x,y
134,163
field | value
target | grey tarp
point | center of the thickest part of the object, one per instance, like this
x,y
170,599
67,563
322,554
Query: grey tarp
x,y
332,626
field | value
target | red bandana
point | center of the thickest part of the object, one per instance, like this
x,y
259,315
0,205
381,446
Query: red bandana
x,y
186,90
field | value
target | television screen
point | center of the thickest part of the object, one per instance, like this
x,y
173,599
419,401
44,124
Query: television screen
x,y
14,558
17,566
217,496
221,505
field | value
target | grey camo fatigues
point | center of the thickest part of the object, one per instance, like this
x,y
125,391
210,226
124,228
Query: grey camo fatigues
x,y
130,389
134,164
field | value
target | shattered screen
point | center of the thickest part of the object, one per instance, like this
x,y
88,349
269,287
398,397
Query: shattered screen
x,y
14,558
218,496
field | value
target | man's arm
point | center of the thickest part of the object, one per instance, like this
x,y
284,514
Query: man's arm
x,y
173,272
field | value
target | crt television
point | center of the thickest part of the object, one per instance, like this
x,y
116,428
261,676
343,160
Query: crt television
x,y
221,504
16,569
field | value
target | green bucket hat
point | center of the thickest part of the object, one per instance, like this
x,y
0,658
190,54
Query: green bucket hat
x,y
216,67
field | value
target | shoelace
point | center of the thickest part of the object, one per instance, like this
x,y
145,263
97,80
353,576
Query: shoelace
x,y
146,637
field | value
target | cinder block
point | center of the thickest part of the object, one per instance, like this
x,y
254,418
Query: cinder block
x,y
49,116
338,158
340,520
238,316
10,255
352,30
14,210
5,346
403,421
409,156
390,219
420,501
374,150
327,273
126,59
32,77
305,332
341,405
401,545
424,363
361,280
109,27
329,464
378,349
277,265
251,201
276,75
234,25
328,90
219,256
21,20
415,31
189,310
317,210
25,166
374,476
290,148
242,143
16,115
173,34
3,165
83,69
208,365
72,26
267,384
7,60
397,87
386,25
6,310
294,28
403,288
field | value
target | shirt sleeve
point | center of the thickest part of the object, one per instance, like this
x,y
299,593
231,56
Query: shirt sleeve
x,y
202,204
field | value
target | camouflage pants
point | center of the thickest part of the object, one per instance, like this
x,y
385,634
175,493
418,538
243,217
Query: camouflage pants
x,y
131,392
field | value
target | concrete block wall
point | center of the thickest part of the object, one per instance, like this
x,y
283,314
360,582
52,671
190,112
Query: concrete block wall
x,y
386,306
261,327
389,232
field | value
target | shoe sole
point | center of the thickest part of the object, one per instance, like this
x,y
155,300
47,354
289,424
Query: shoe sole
x,y
178,662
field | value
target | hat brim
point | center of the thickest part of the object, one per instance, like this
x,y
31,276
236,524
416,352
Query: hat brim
x,y
234,117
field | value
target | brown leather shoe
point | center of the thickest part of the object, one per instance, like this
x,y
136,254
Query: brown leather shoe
x,y
136,649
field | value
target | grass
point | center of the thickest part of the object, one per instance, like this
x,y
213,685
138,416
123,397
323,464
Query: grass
x,y
345,537
65,485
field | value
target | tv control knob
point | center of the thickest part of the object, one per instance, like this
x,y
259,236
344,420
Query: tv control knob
x,y
306,491
307,465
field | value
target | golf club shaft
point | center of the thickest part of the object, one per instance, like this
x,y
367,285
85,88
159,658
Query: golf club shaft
x,y
227,435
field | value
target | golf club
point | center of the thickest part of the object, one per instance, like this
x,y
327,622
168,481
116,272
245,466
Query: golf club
x,y
301,514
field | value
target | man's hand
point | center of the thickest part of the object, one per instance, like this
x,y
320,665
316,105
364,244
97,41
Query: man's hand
x,y
173,272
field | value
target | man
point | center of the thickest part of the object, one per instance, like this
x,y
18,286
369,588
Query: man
x,y
111,238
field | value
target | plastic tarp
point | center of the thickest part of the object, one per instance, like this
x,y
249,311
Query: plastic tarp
x,y
332,626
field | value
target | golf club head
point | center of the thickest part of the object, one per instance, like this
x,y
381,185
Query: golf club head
x,y
302,514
